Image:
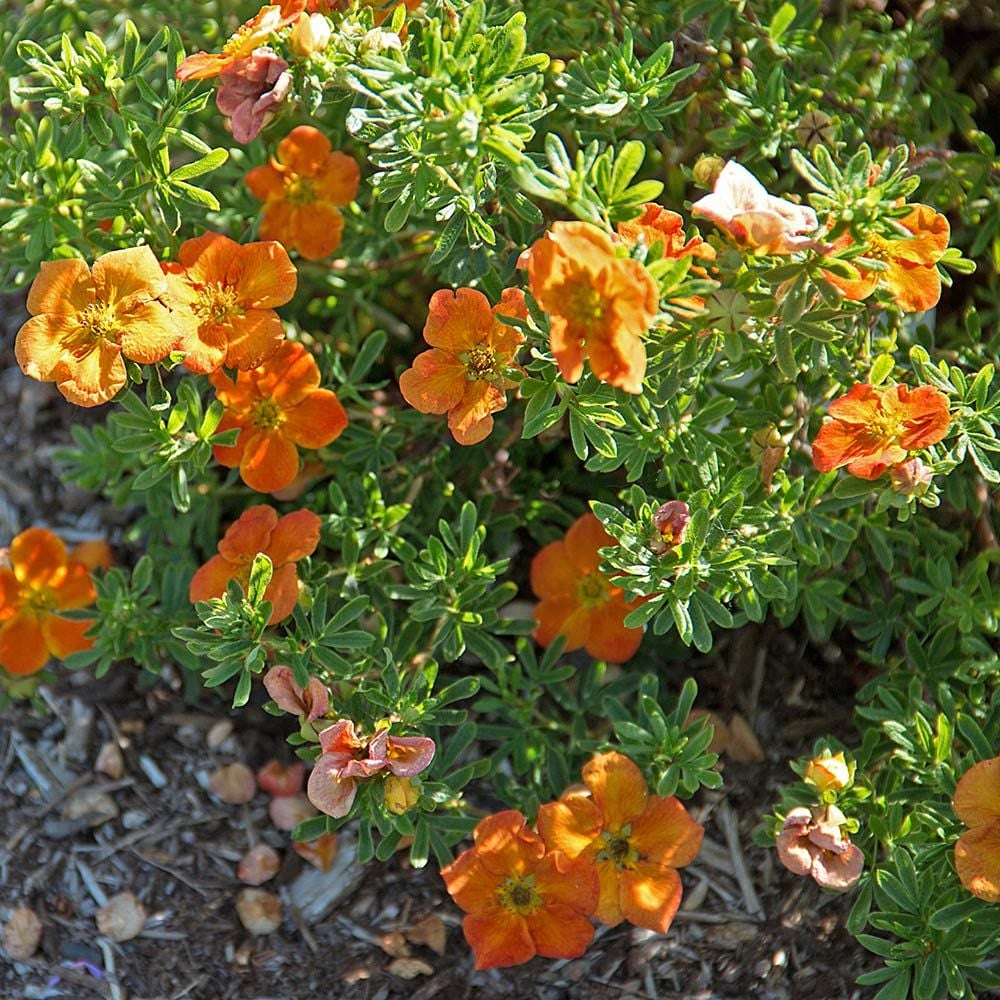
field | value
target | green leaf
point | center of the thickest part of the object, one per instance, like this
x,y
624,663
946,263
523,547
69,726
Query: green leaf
x,y
781,21
207,163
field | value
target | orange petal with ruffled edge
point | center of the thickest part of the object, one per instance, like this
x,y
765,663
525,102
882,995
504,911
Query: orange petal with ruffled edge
x,y
253,339
338,179
650,895
505,844
619,361
567,347
926,415
95,378
552,572
315,230
839,871
265,182
585,536
666,834
74,588
249,534
435,383
498,939
915,287
304,150
37,555
977,795
560,931
571,825
977,861
457,321
327,791
471,421
269,462
263,275
609,909
316,421
230,455
62,287
294,537
609,639
128,278
211,580
23,649
618,788
64,636
931,234
474,888
561,881
94,554
562,616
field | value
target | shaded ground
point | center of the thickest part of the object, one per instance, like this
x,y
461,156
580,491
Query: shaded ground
x,y
747,929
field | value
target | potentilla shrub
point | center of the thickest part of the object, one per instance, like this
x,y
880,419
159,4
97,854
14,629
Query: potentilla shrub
x,y
662,321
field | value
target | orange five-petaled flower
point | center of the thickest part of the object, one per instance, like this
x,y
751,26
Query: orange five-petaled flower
x,y
600,305
86,321
284,541
276,406
977,851
875,428
636,840
521,901
249,36
465,375
911,274
302,188
578,600
225,295
38,579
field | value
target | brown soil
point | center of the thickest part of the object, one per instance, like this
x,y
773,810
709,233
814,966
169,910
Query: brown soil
x,y
176,847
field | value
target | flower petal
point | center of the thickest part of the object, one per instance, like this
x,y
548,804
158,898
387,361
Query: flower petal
x,y
498,939
211,580
505,844
64,636
314,230
570,825
282,592
94,378
280,685
265,183
585,536
37,555
553,573
609,639
316,421
562,616
263,275
409,755
128,278
327,791
650,895
150,333
570,883
23,649
294,537
618,788
666,834
338,179
252,339
471,420
435,383
473,887
249,534
304,150
977,861
61,287
561,931
838,871
977,795
269,461
457,321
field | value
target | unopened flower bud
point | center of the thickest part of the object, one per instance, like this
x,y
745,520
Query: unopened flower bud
x,y
911,478
814,128
310,34
828,772
706,170
400,795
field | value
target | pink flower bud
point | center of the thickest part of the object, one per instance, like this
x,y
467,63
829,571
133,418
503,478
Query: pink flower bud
x,y
911,478
671,521
250,91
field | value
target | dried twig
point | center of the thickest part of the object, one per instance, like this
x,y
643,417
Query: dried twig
x,y
730,826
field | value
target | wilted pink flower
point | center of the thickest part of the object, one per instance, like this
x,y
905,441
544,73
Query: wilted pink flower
x,y
812,843
911,478
333,782
251,89
671,521
312,701
755,219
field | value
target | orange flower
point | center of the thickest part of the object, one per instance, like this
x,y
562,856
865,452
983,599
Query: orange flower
x,y
636,840
912,277
249,36
39,578
465,375
84,321
600,306
873,428
578,600
658,225
301,188
276,406
829,772
520,901
225,294
977,851
284,541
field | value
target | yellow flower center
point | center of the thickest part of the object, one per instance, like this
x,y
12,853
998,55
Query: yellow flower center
x,y
518,895
267,414
216,303
98,322
299,191
616,847
584,303
879,248
592,590
39,601
236,45
886,426
480,362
